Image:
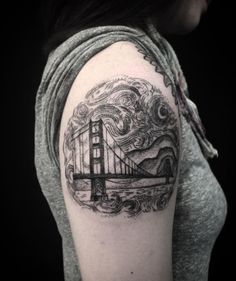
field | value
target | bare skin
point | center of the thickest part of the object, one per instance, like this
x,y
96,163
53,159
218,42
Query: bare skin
x,y
104,225
124,237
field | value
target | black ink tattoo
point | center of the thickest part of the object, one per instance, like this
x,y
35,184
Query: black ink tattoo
x,y
121,148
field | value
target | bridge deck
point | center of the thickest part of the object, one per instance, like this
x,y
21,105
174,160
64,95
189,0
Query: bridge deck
x,y
113,176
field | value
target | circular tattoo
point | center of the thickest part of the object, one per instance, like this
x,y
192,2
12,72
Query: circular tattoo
x,y
121,148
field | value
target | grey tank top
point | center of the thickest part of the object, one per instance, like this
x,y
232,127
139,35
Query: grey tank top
x,y
200,207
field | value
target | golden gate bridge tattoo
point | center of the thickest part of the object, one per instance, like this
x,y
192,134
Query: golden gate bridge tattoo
x,y
103,173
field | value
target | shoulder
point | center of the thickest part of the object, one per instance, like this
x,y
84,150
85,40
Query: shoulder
x,y
123,91
119,160
119,59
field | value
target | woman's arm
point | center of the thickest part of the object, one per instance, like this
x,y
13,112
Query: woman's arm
x,y
119,154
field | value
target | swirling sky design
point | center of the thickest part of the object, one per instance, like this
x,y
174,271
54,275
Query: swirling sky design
x,y
134,112
137,116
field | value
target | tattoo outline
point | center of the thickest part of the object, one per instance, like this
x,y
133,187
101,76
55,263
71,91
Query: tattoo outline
x,y
121,148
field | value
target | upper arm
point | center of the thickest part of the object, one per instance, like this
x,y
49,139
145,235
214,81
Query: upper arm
x,y
119,155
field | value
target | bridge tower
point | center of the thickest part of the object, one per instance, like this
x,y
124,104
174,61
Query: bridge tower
x,y
96,156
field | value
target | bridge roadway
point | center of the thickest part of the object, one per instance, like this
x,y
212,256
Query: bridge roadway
x,y
114,176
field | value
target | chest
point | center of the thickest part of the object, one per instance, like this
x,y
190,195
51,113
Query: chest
x,y
200,205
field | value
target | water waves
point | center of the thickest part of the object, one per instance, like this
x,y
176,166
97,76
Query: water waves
x,y
132,207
